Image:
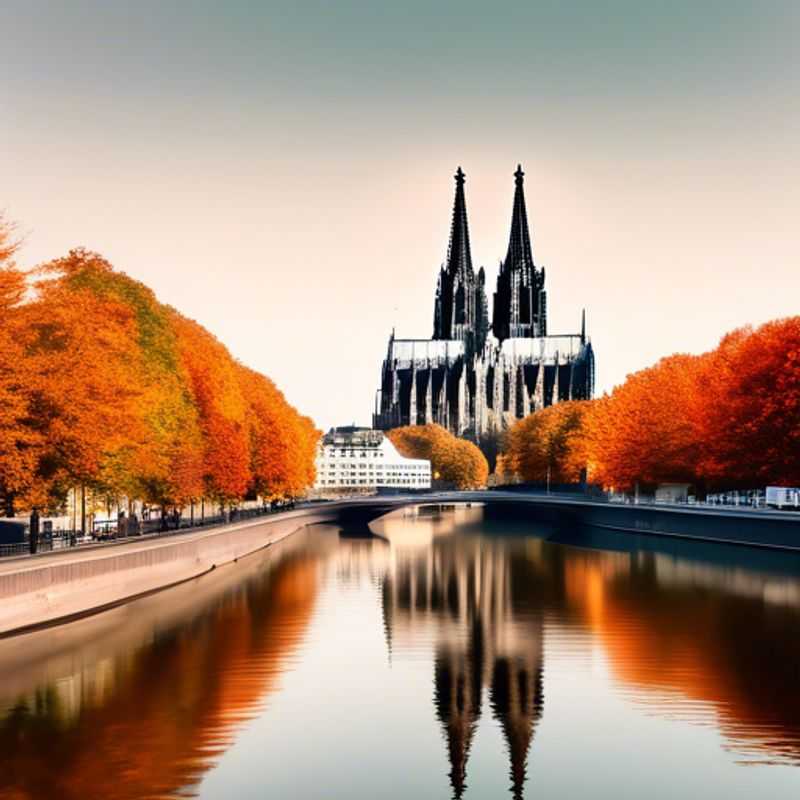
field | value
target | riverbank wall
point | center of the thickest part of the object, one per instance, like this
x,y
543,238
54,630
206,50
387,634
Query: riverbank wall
x,y
56,587
53,588
746,527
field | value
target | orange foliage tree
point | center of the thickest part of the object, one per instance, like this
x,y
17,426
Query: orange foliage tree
x,y
19,439
752,426
726,419
550,444
157,457
214,385
282,443
103,386
80,357
647,431
453,460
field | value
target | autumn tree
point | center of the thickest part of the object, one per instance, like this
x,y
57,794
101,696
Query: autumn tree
x,y
751,420
453,460
648,430
82,358
464,465
103,386
729,418
550,444
19,440
220,402
282,443
160,459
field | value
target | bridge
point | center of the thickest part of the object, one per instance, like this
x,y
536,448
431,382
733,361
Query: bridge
x,y
746,526
59,586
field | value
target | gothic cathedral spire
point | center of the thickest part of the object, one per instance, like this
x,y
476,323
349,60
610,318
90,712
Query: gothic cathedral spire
x,y
520,253
520,306
459,255
458,310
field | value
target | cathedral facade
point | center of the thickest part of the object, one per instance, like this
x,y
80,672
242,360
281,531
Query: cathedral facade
x,y
474,376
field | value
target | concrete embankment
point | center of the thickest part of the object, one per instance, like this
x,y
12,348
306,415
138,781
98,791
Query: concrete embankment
x,y
52,588
763,529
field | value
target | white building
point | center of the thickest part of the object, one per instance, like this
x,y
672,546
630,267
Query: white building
x,y
363,460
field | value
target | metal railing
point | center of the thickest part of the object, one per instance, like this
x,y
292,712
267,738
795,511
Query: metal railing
x,y
17,549
127,529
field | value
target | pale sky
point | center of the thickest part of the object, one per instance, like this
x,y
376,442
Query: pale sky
x,y
282,172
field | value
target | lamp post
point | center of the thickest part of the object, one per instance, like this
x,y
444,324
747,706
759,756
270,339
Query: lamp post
x,y
34,534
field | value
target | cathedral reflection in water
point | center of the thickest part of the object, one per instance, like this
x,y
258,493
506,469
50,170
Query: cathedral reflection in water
x,y
694,631
459,592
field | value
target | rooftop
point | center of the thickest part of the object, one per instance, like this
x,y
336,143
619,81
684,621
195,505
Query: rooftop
x,y
353,436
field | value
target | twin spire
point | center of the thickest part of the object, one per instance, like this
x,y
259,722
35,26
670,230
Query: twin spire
x,y
519,307
459,255
460,310
519,252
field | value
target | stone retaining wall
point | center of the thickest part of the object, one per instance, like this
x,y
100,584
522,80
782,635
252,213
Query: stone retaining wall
x,y
53,587
56,586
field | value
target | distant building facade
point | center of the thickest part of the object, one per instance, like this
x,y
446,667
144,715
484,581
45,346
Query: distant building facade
x,y
472,377
355,459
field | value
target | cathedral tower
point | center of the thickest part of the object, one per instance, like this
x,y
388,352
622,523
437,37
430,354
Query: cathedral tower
x,y
474,383
520,302
460,310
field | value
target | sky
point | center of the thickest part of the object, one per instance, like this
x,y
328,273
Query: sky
x,y
283,172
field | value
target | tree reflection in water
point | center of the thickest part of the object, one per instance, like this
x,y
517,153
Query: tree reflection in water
x,y
142,701
693,631
165,689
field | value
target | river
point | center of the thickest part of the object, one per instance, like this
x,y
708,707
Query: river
x,y
452,654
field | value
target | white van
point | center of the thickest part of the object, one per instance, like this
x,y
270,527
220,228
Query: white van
x,y
783,497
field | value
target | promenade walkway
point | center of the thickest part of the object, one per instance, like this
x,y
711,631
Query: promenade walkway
x,y
57,586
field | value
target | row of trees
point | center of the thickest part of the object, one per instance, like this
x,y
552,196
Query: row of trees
x,y
726,419
453,461
102,386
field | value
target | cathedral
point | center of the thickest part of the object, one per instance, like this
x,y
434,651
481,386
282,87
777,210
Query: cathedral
x,y
474,376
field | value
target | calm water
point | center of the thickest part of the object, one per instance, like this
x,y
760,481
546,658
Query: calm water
x,y
452,656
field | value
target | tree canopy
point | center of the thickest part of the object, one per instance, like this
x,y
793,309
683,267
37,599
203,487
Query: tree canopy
x,y
453,460
726,419
103,386
548,444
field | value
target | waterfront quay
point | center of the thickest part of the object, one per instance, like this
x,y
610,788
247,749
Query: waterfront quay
x,y
59,586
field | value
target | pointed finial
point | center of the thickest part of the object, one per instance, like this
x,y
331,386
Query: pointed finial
x,y
583,325
519,175
460,177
